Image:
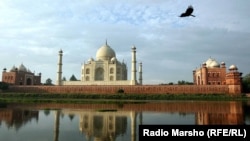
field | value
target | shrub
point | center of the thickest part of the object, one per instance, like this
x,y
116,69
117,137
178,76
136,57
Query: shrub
x,y
120,91
4,86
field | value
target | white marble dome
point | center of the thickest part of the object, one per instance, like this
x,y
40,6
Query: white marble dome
x,y
105,52
212,63
233,67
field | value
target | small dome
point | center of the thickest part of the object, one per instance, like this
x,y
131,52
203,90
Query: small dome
x,y
90,60
13,69
223,63
113,60
105,52
212,63
22,68
233,67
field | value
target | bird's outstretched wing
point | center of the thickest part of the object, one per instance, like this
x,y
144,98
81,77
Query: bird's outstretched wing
x,y
189,10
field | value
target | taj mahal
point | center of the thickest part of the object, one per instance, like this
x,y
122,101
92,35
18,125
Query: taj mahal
x,y
106,69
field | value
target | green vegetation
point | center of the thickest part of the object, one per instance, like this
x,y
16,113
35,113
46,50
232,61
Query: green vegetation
x,y
180,82
4,86
120,91
246,83
73,78
48,82
110,98
183,82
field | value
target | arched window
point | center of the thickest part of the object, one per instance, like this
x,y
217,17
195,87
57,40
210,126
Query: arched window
x,y
87,71
87,78
111,70
199,80
111,78
99,74
118,71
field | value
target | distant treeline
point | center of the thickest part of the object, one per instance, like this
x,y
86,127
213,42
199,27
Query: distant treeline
x,y
180,82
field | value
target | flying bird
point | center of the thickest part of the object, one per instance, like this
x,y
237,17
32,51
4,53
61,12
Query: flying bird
x,y
188,12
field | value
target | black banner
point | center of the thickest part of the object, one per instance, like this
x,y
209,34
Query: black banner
x,y
204,132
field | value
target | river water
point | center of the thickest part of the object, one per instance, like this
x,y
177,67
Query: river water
x,y
111,122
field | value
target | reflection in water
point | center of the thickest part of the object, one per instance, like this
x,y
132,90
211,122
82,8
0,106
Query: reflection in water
x,y
56,127
102,125
234,115
16,118
109,125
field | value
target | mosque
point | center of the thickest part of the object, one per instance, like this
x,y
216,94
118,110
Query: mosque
x,y
213,73
20,76
106,69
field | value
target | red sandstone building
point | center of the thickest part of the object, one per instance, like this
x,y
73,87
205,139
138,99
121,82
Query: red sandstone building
x,y
20,76
213,73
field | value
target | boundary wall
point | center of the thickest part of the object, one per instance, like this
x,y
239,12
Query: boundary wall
x,y
130,89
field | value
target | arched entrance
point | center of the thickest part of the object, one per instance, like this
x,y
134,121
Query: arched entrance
x,y
28,81
99,74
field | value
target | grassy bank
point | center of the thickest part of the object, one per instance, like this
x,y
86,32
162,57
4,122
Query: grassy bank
x,y
83,98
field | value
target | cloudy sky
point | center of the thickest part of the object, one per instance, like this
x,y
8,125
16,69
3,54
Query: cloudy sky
x,y
169,47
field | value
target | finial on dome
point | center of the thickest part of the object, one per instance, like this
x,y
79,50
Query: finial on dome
x,y
106,42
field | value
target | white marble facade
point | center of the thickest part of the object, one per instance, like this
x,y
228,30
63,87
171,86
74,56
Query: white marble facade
x,y
106,69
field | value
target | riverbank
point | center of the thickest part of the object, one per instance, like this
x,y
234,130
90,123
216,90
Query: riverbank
x,y
83,98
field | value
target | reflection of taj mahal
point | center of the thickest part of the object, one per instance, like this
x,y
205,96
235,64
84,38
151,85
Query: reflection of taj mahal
x,y
105,126
105,70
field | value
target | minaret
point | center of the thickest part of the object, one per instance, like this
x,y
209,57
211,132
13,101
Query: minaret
x,y
140,73
133,67
59,73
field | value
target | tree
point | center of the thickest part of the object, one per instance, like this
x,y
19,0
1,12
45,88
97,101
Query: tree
x,y
182,82
73,78
64,79
246,83
48,82
4,86
170,83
